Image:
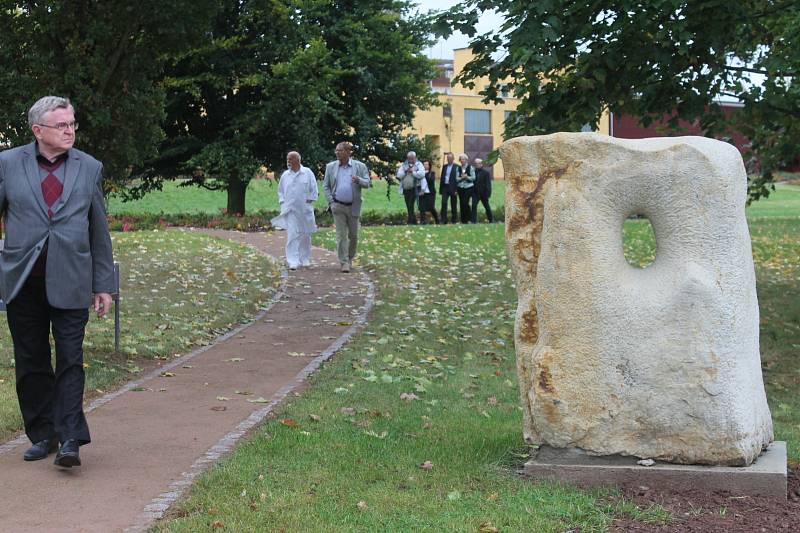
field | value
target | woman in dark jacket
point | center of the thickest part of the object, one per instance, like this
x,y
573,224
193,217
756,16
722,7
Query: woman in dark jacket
x,y
427,202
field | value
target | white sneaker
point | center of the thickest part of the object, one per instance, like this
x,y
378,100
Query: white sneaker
x,y
292,267
305,264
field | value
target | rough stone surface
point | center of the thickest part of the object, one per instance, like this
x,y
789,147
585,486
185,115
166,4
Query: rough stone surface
x,y
661,362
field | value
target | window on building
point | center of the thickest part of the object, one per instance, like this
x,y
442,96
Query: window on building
x,y
504,90
477,121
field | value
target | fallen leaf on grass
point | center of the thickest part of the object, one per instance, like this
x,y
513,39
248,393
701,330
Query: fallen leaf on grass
x,y
427,465
315,418
493,497
409,396
348,411
487,527
382,435
341,390
289,423
454,495
362,505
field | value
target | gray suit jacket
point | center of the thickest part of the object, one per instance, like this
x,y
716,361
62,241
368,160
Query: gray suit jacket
x,y
79,257
329,183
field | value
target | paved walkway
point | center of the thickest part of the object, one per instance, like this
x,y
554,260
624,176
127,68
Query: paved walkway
x,y
154,436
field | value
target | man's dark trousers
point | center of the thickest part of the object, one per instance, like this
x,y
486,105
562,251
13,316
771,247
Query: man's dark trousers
x,y
51,403
452,198
410,197
484,200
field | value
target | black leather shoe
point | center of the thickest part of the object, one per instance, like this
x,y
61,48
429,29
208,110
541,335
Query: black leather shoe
x,y
68,455
40,450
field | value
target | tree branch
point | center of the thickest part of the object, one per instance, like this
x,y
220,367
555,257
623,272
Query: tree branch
x,y
758,71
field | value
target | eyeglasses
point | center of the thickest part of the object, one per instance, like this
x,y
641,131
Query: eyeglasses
x,y
62,126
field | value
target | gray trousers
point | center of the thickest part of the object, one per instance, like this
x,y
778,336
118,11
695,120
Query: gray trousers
x,y
346,231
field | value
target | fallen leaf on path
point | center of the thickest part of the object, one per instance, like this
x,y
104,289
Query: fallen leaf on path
x,y
234,360
167,374
243,392
219,408
222,398
260,399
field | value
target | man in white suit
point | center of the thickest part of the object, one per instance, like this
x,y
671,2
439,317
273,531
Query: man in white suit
x,y
344,179
56,262
297,192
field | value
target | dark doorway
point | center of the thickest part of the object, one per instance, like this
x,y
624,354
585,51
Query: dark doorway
x,y
479,146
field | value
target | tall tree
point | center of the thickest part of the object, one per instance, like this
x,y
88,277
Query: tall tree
x,y
107,57
377,48
255,89
276,75
569,60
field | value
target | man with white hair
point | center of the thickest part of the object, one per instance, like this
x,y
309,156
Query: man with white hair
x,y
56,262
297,192
411,175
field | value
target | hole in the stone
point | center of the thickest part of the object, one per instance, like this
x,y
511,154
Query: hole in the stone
x,y
639,241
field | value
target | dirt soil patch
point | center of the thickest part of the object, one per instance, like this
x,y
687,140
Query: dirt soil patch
x,y
717,511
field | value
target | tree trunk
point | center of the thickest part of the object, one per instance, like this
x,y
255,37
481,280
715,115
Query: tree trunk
x,y
236,194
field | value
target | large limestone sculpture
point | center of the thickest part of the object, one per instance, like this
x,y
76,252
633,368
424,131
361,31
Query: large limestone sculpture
x,y
661,362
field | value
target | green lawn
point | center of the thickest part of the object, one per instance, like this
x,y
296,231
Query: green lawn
x,y
431,382
180,290
261,195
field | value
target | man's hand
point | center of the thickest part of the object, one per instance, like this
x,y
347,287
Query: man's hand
x,y
102,303
354,179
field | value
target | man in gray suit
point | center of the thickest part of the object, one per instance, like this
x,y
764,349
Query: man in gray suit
x,y
56,262
344,179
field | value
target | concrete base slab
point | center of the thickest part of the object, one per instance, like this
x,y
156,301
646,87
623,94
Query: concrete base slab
x,y
765,477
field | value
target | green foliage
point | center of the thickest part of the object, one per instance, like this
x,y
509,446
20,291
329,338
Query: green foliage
x,y
107,57
569,61
284,75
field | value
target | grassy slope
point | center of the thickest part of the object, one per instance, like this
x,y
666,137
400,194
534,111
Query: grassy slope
x,y
443,331
179,290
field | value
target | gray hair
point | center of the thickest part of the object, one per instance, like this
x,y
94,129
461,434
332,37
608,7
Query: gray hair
x,y
478,161
409,154
299,157
45,105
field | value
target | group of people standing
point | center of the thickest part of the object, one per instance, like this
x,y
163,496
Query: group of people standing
x,y
459,184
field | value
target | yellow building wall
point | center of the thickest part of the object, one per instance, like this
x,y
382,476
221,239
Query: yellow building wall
x,y
448,132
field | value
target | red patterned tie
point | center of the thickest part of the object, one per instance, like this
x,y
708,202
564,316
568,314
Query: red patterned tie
x,y
51,186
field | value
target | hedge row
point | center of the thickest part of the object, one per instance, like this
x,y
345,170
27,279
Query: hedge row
x,y
256,221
